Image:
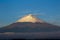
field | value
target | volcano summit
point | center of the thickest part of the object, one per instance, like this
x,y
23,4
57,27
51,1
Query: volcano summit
x,y
30,18
30,23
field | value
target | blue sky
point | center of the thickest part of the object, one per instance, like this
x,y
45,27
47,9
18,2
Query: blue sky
x,y
12,10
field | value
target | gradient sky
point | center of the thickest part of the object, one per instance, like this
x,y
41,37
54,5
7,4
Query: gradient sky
x,y
12,10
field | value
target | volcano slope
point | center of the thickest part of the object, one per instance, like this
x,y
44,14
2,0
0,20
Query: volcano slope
x,y
30,27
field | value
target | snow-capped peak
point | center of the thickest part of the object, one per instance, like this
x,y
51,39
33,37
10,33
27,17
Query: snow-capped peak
x,y
30,18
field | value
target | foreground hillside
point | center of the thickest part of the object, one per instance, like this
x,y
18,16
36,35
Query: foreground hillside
x,y
35,35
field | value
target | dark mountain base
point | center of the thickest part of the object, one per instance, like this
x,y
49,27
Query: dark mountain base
x,y
30,27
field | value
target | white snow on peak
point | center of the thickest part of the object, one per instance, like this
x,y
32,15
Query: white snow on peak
x,y
30,18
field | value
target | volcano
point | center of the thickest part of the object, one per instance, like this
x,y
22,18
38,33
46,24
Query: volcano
x,y
30,23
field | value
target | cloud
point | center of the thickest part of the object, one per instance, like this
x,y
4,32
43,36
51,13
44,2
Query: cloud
x,y
29,11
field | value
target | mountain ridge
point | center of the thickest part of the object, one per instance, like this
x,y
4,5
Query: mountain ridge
x,y
32,25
